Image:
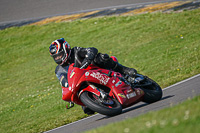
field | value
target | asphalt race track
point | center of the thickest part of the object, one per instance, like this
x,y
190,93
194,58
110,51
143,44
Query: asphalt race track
x,y
19,10
172,95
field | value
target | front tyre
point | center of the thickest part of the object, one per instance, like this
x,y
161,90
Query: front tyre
x,y
152,92
108,106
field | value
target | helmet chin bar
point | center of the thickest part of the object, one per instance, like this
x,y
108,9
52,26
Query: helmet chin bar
x,y
63,60
67,55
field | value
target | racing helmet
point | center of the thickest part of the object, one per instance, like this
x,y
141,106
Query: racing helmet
x,y
60,51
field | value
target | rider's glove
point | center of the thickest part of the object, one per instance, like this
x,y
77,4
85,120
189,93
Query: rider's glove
x,y
88,59
90,56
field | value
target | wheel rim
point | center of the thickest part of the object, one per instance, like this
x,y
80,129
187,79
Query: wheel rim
x,y
109,107
108,102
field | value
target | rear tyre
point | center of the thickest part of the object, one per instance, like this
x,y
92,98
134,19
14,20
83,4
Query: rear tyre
x,y
152,92
108,106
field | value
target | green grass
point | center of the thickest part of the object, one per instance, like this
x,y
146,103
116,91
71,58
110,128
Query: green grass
x,y
163,46
183,118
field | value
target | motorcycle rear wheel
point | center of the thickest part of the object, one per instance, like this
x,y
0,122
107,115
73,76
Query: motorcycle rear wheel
x,y
94,103
152,93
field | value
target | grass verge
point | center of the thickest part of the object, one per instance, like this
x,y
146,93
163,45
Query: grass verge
x,y
163,46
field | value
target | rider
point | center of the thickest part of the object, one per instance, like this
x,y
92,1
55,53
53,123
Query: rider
x,y
63,55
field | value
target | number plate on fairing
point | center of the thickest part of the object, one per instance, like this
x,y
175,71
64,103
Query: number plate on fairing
x,y
130,95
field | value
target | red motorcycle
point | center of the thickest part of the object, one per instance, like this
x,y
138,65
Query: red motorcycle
x,y
108,92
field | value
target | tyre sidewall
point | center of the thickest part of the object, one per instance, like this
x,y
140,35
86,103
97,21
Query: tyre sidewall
x,y
100,108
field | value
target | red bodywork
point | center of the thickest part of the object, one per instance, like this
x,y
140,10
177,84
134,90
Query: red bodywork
x,y
93,74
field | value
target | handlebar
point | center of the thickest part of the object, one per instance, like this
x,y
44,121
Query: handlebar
x,y
83,66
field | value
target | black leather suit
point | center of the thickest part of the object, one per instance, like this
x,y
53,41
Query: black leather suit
x,y
79,56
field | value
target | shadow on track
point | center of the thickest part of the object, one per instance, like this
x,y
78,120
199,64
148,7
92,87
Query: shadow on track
x,y
134,108
144,104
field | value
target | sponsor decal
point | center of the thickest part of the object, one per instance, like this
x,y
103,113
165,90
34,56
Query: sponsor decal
x,y
130,95
121,95
113,81
118,83
93,87
87,74
72,74
101,77
130,90
138,91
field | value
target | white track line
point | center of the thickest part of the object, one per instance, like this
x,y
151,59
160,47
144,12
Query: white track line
x,y
182,81
72,123
99,114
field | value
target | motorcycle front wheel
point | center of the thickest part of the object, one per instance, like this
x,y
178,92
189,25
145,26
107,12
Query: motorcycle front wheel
x,y
107,106
152,91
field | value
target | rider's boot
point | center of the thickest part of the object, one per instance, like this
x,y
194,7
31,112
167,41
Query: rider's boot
x,y
116,66
104,61
88,111
125,70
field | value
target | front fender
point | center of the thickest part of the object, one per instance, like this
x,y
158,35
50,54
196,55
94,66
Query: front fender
x,y
92,89
66,94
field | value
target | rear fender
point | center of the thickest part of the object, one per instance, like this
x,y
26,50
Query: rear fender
x,y
90,88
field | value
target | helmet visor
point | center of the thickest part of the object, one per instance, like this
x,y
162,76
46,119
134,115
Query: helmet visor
x,y
58,57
